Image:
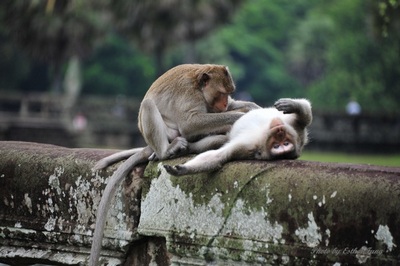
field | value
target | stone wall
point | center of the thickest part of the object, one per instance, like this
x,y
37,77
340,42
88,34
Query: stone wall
x,y
248,213
360,134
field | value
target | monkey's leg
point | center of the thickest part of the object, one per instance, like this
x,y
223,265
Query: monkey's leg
x,y
178,147
175,149
153,128
205,162
211,142
114,158
157,134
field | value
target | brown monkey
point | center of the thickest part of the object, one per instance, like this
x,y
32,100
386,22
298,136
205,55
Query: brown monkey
x,y
186,110
187,103
263,134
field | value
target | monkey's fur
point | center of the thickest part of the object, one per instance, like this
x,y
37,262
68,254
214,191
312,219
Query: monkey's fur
x,y
263,134
186,110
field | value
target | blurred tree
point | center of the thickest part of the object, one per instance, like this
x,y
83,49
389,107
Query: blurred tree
x,y
117,68
13,65
327,51
385,16
55,30
256,43
307,51
158,25
360,64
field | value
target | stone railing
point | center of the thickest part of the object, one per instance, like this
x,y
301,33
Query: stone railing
x,y
280,213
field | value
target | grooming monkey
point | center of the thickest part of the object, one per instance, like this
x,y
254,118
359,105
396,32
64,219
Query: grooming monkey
x,y
186,110
263,134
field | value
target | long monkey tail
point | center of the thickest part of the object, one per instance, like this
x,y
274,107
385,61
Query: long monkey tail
x,y
116,157
108,194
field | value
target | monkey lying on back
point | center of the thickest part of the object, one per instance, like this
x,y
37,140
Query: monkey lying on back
x,y
262,134
186,110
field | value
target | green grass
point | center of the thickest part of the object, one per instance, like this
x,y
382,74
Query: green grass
x,y
372,159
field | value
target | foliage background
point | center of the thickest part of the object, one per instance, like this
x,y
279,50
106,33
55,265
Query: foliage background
x,y
327,51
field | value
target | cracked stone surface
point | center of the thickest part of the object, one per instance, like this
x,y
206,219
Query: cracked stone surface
x,y
275,213
49,199
248,213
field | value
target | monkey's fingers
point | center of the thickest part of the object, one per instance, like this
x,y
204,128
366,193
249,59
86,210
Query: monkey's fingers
x,y
284,105
176,170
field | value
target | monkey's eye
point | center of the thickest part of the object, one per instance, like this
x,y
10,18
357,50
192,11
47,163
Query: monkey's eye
x,y
286,143
276,146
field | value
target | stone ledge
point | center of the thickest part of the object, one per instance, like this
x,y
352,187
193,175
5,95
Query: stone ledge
x,y
49,201
284,212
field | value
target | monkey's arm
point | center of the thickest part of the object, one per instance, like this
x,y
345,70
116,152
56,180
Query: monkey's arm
x,y
198,124
114,158
207,161
301,107
241,106
211,142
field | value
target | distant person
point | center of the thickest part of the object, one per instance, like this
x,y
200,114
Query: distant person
x,y
353,108
79,122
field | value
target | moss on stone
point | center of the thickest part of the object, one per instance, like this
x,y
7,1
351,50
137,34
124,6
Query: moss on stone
x,y
304,206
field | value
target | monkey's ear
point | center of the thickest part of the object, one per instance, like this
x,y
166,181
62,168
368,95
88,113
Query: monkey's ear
x,y
226,71
204,78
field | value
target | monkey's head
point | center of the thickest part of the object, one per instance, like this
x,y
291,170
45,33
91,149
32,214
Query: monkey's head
x,y
282,141
216,85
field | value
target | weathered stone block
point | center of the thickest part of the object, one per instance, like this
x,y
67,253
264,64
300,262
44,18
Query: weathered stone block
x,y
49,198
286,212
249,212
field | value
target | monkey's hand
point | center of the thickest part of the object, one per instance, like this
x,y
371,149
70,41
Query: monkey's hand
x,y
286,105
176,170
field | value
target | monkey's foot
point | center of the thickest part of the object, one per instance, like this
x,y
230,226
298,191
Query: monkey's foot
x,y
153,157
178,147
286,105
176,170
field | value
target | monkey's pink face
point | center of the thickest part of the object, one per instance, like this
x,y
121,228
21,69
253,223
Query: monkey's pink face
x,y
217,100
280,141
220,103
